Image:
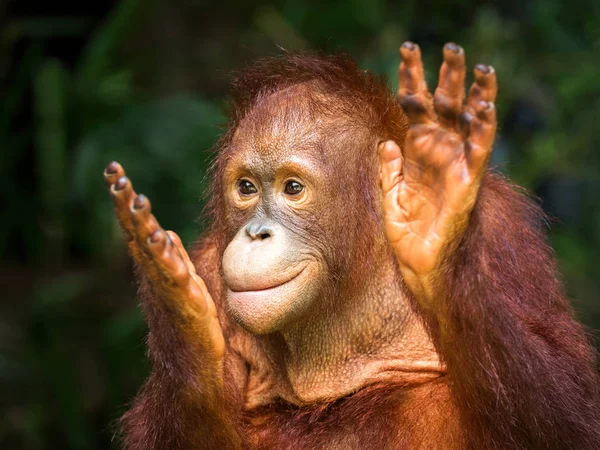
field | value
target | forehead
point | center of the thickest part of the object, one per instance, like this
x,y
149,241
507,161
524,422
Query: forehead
x,y
290,124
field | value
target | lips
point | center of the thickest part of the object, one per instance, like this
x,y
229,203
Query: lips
x,y
270,306
265,285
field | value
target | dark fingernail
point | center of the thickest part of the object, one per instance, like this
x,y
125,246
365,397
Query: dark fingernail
x,y
465,117
464,121
112,168
139,202
483,68
155,237
409,45
121,183
484,104
453,47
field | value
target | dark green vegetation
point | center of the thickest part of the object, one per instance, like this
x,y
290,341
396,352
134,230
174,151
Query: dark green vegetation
x,y
145,82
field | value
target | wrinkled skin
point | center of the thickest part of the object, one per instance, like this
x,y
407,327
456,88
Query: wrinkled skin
x,y
436,354
264,304
273,272
278,264
273,269
431,189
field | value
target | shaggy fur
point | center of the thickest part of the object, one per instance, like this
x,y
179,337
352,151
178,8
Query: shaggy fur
x,y
520,369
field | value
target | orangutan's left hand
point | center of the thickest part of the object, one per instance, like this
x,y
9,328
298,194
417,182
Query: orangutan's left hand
x,y
429,191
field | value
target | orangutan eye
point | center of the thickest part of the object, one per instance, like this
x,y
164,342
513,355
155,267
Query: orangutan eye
x,y
246,188
293,188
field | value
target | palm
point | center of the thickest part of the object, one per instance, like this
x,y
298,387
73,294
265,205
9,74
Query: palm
x,y
430,191
429,195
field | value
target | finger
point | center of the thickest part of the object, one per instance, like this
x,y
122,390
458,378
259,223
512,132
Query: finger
x,y
192,269
112,173
483,88
391,173
413,94
412,78
482,130
143,220
450,93
123,195
167,258
175,239
190,299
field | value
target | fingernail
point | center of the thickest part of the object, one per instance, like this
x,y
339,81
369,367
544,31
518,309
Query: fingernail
x,y
483,68
453,47
486,105
139,202
121,184
155,237
112,168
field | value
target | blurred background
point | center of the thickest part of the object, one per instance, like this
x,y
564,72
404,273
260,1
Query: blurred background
x,y
145,82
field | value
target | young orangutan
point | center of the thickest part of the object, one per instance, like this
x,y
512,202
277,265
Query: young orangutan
x,y
366,282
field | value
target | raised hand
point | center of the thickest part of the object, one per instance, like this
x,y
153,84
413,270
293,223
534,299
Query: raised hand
x,y
177,297
430,190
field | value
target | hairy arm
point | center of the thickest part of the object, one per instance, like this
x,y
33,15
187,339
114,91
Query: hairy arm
x,y
521,368
472,251
184,404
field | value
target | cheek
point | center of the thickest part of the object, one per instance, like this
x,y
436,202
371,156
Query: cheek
x,y
233,221
331,229
347,228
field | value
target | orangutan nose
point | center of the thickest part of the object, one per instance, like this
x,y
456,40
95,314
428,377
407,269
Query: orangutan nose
x,y
259,230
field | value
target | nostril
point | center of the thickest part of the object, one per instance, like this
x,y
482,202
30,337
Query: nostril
x,y
259,231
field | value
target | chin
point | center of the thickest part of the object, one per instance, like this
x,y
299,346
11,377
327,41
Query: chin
x,y
268,310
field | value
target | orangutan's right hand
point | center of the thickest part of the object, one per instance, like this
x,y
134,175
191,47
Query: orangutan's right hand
x,y
163,263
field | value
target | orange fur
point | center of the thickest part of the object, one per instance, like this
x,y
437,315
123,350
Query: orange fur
x,y
521,371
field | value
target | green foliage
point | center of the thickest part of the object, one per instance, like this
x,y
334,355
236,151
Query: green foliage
x,y
147,88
